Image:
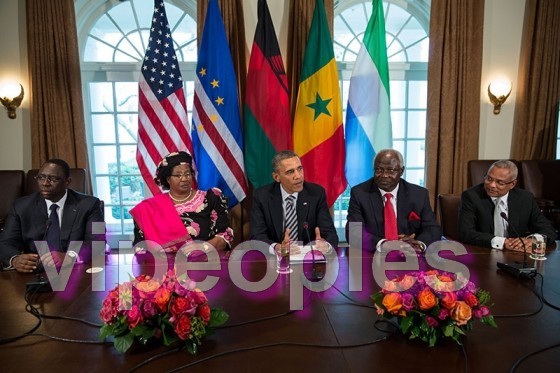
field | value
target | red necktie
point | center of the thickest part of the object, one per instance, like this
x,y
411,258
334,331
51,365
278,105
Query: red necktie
x,y
391,232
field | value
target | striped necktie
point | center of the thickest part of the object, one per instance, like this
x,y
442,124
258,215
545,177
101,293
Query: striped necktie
x,y
291,217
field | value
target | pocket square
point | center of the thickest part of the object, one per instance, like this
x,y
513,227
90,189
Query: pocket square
x,y
413,216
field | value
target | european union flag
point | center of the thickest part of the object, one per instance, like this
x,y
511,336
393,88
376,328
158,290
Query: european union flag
x,y
217,134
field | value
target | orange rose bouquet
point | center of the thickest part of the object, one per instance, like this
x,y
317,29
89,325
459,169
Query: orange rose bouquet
x,y
433,305
168,311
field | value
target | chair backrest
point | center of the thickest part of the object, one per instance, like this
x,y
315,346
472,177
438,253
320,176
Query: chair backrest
x,y
477,169
448,214
80,181
11,188
542,178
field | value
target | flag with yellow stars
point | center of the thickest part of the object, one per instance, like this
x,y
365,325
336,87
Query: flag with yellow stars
x,y
318,132
216,133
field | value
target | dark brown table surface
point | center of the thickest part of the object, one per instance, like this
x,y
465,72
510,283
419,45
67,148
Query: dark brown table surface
x,y
322,337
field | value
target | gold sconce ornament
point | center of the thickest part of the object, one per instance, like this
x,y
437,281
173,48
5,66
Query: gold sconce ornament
x,y
499,91
9,99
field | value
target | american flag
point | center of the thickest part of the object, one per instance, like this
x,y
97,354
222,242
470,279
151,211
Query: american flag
x,y
217,134
163,126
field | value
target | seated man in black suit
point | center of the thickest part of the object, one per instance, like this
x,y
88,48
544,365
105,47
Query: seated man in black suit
x,y
387,207
480,221
271,216
54,214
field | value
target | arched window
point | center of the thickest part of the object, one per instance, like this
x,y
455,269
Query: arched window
x,y
406,26
113,38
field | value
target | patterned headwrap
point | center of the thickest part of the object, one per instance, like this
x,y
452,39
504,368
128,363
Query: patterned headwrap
x,y
166,165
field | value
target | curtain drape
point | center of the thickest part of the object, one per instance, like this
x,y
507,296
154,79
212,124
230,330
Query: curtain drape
x,y
454,73
535,122
57,115
301,15
232,15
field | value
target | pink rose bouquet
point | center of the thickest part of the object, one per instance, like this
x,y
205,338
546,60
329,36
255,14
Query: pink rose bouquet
x,y
432,305
168,311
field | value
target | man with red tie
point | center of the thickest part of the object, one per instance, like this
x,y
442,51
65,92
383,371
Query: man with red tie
x,y
390,208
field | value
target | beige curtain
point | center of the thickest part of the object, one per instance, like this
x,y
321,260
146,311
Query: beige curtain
x,y
535,120
454,70
232,15
301,15
57,115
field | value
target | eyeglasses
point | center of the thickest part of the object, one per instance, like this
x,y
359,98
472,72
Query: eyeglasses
x,y
51,179
500,183
389,171
179,176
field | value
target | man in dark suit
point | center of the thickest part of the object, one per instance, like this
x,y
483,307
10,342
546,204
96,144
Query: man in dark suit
x,y
480,213
409,205
269,211
54,214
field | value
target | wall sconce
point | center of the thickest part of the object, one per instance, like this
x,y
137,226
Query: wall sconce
x,y
11,96
499,91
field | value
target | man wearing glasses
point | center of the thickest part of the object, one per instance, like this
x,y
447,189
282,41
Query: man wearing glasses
x,y
487,210
54,214
387,207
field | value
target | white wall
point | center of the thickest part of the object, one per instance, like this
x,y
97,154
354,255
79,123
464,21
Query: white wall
x,y
503,24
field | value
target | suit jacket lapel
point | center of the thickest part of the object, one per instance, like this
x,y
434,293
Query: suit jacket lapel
x,y
377,206
302,210
277,211
39,214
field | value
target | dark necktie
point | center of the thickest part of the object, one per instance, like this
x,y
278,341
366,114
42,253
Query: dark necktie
x,y
291,217
391,232
53,234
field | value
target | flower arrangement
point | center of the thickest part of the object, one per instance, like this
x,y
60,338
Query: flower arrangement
x,y
168,311
433,305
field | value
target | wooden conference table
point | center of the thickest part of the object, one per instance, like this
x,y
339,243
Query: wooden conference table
x,y
331,333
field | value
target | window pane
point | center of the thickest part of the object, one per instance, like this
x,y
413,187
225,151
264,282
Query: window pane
x,y
398,94
417,124
415,176
103,128
104,155
127,96
128,158
127,127
101,97
397,121
418,94
103,189
415,153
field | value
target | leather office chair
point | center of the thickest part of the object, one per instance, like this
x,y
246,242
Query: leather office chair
x,y
80,181
448,214
11,188
477,169
542,178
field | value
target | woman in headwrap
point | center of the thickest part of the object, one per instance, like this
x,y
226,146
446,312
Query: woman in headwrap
x,y
184,213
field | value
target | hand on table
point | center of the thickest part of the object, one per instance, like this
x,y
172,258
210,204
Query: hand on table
x,y
25,262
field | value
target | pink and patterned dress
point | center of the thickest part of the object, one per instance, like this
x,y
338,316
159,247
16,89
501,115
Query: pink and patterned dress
x,y
202,218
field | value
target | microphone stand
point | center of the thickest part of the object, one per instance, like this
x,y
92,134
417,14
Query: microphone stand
x,y
316,274
40,285
517,269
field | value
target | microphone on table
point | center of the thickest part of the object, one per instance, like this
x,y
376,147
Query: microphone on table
x,y
316,273
517,269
